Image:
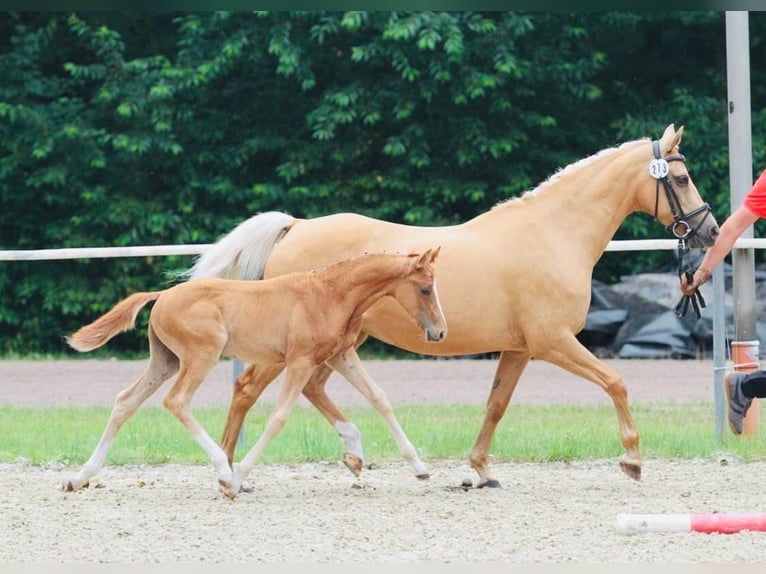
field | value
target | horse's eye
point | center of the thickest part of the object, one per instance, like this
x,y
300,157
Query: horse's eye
x,y
425,291
682,180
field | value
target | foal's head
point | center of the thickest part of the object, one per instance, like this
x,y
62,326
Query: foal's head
x,y
418,295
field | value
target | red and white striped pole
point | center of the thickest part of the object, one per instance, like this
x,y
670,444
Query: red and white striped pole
x,y
720,523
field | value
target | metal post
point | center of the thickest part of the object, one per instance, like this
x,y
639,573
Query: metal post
x,y
719,352
741,180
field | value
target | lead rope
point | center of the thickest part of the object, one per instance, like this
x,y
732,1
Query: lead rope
x,y
683,307
696,299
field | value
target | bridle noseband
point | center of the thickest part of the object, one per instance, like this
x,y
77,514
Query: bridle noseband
x,y
659,170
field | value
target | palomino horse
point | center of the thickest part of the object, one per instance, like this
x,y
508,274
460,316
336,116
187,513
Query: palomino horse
x,y
516,279
300,320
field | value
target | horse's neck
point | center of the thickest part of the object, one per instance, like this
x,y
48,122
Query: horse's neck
x,y
362,282
586,202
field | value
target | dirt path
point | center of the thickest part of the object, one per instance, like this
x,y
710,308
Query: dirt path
x,y
94,382
549,513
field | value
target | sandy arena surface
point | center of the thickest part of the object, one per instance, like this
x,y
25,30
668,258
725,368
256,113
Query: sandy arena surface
x,y
320,513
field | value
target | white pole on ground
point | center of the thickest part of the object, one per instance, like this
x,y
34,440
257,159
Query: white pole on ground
x,y
710,523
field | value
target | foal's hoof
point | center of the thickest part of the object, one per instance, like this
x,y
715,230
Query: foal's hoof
x,y
353,463
227,490
424,476
632,469
68,486
492,483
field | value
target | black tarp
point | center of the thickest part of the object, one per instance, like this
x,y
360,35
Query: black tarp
x,y
636,319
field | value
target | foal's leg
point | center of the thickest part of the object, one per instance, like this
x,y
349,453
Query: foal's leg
x,y
349,365
162,365
248,387
178,401
571,355
295,379
349,434
507,374
255,378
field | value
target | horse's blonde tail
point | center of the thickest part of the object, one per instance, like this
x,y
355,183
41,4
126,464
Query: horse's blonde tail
x,y
243,252
120,318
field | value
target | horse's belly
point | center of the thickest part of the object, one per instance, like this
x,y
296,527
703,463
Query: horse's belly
x,y
388,322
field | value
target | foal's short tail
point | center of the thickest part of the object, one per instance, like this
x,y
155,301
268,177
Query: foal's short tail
x,y
120,318
243,252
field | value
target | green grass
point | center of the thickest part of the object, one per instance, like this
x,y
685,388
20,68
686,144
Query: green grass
x,y
527,433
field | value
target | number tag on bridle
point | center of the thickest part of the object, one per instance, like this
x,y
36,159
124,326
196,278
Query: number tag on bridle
x,y
659,168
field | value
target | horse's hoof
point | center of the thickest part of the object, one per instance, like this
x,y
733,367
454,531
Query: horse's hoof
x,y
489,484
227,490
68,486
631,469
425,476
353,463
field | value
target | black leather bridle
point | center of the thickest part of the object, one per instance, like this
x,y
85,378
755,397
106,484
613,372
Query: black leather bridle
x,y
681,226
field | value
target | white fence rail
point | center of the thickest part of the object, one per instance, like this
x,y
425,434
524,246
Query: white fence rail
x,y
153,250
102,252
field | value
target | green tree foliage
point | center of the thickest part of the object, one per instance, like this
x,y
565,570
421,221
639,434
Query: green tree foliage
x,y
136,128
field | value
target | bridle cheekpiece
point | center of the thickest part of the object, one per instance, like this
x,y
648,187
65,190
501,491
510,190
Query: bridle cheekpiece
x,y
659,168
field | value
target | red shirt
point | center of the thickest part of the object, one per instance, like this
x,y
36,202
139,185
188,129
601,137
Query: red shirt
x,y
755,200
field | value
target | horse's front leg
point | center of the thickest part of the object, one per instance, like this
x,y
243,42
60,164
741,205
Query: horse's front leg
x,y
295,379
349,365
568,353
349,433
507,374
249,386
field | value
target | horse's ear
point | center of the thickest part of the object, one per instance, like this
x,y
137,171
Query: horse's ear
x,y
671,138
427,257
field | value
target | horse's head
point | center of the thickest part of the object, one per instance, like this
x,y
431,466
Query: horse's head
x,y
419,297
676,202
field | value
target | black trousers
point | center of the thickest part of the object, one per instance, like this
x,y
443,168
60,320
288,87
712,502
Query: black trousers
x,y
754,384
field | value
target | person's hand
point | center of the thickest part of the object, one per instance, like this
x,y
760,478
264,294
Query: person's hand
x,y
700,276
690,283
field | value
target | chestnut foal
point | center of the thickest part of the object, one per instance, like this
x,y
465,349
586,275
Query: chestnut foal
x,y
301,320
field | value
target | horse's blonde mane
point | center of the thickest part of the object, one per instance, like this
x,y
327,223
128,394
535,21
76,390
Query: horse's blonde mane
x,y
565,171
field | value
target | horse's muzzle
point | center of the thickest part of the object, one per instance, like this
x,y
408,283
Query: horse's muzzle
x,y
435,335
704,237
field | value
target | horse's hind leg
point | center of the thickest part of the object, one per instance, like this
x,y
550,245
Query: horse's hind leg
x,y
295,379
349,433
195,365
249,386
507,374
349,365
314,391
163,364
